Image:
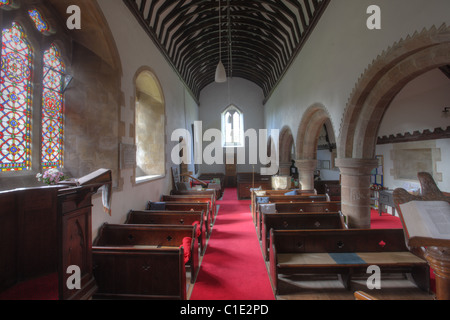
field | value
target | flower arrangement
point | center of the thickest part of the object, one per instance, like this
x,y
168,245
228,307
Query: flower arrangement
x,y
51,176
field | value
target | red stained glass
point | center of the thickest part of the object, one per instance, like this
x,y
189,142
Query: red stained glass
x,y
15,109
52,110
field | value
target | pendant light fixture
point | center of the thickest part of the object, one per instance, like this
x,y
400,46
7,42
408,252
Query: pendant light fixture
x,y
221,75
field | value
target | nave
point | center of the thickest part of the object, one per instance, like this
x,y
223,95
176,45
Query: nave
x,y
233,267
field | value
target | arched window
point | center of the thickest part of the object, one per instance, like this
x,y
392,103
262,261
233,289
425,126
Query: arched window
x,y
16,100
52,110
232,127
150,128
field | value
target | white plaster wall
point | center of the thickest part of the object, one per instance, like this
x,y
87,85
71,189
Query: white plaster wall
x,y
338,52
136,50
216,97
418,106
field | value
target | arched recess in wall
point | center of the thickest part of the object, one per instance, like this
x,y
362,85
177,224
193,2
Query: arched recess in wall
x,y
313,121
149,127
382,81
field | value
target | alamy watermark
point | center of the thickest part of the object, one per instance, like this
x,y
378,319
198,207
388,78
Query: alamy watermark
x,y
215,152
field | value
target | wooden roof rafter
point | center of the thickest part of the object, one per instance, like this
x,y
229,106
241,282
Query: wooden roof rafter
x,y
266,36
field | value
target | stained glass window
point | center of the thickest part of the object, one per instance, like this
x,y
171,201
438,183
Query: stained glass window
x,y
15,108
5,3
39,22
52,110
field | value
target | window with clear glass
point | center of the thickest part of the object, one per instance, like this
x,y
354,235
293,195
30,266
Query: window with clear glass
x,y
232,127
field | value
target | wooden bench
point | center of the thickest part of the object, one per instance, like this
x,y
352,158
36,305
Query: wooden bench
x,y
333,191
265,193
344,253
184,206
196,199
144,262
288,198
299,207
171,218
298,221
210,192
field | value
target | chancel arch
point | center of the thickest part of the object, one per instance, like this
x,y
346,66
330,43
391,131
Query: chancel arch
x,y
374,92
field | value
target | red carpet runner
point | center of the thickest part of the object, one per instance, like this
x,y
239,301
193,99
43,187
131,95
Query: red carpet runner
x,y
233,267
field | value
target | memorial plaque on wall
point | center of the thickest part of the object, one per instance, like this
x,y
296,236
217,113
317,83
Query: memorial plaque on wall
x,y
127,156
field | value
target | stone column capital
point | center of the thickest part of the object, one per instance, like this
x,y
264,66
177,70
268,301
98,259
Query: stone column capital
x,y
353,166
306,164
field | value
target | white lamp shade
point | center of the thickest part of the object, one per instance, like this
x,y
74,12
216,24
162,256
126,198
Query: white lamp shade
x,y
221,75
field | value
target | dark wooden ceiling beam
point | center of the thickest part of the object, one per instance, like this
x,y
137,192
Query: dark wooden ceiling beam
x,y
266,36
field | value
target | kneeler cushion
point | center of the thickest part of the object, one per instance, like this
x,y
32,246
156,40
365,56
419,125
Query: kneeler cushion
x,y
187,248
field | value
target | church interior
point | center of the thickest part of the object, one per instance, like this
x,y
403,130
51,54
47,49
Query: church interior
x,y
224,149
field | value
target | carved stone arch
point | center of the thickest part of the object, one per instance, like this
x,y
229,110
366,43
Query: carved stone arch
x,y
372,96
308,132
286,143
382,81
315,117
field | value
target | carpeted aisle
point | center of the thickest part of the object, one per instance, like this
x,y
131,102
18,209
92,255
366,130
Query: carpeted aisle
x,y
233,267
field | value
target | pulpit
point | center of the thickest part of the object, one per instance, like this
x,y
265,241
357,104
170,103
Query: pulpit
x,y
426,220
46,230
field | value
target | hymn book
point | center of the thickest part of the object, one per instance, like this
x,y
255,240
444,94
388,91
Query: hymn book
x,y
426,223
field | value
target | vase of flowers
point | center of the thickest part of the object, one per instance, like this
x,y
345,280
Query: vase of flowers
x,y
51,176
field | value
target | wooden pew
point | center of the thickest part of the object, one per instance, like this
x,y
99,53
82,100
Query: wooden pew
x,y
265,193
210,192
333,191
171,218
196,199
186,206
144,262
299,207
344,253
288,198
298,221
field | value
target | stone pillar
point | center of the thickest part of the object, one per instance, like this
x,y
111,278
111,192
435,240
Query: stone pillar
x,y
306,173
284,169
355,190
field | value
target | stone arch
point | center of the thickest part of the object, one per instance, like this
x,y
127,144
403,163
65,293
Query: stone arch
x,y
286,143
315,117
372,96
382,81
308,132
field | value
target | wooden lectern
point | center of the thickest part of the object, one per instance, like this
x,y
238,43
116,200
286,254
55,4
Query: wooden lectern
x,y
75,232
45,230
426,221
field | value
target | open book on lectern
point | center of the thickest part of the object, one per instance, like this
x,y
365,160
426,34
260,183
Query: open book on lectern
x,y
100,176
426,223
